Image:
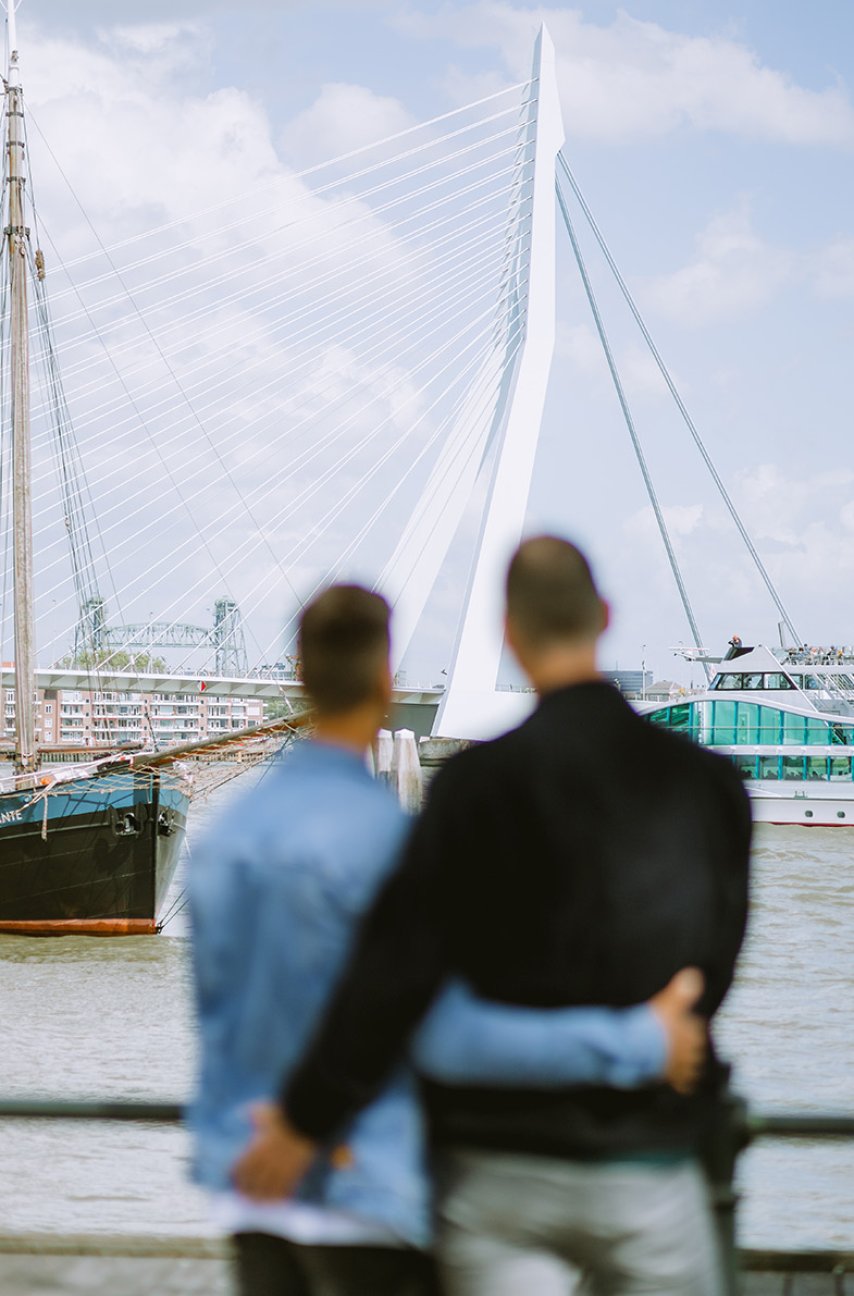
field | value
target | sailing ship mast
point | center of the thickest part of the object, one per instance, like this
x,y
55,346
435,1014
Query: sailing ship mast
x,y
26,757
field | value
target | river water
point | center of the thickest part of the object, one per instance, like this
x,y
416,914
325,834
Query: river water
x,y
89,1017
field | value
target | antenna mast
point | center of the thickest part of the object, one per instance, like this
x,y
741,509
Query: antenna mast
x,y
26,758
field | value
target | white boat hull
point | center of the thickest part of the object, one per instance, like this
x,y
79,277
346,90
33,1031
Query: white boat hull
x,y
799,806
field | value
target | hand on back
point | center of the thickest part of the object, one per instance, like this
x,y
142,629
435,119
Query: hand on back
x,y
687,1033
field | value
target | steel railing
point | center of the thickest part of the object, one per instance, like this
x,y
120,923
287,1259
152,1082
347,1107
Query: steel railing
x,y
735,1129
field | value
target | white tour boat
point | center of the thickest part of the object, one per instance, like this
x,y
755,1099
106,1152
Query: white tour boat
x,y
786,718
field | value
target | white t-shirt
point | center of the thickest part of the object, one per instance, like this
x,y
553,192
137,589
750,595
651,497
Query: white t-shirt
x,y
300,1222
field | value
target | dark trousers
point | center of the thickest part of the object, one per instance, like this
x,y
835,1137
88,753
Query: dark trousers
x,y
271,1266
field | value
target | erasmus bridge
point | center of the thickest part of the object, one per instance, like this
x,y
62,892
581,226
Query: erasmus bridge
x,y
326,378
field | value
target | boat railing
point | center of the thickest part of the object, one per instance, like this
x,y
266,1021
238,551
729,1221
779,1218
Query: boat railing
x,y
736,1128
836,695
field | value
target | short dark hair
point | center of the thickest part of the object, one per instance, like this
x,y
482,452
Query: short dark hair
x,y
343,644
551,594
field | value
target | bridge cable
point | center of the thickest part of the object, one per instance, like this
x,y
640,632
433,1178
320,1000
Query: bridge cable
x,y
689,422
230,252
153,339
322,523
630,424
105,406
318,166
472,334
470,439
451,345
271,484
181,322
312,452
366,318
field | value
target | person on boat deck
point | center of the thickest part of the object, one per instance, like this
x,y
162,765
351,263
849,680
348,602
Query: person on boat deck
x,y
277,890
581,858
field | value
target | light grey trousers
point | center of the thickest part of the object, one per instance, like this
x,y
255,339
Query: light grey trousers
x,y
512,1225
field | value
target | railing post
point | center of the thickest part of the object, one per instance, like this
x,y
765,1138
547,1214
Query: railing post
x,y
726,1139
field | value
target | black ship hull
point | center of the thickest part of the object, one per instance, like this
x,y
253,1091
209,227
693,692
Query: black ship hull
x,y
90,855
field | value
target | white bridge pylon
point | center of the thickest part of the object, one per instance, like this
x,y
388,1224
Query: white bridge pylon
x,y
513,378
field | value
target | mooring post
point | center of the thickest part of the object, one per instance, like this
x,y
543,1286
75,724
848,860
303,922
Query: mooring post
x,y
383,752
406,771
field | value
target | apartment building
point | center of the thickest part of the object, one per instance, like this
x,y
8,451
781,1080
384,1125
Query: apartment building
x,y
87,718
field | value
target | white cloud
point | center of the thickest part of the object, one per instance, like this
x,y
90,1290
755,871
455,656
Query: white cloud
x,y
802,526
631,79
175,40
681,520
343,117
641,375
784,509
578,345
734,272
833,269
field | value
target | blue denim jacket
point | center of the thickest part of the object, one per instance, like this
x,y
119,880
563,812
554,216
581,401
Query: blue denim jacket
x,y
277,889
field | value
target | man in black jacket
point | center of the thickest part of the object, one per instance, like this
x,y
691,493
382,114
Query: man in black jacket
x,y
582,858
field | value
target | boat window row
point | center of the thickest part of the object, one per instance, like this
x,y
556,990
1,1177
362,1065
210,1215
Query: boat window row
x,y
814,682
736,680
750,681
727,723
830,769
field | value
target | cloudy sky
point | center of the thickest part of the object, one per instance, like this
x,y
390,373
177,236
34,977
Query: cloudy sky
x,y
714,143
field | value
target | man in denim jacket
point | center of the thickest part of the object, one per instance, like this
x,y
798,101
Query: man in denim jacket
x,y
277,891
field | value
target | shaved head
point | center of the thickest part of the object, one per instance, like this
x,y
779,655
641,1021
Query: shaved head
x,y
552,598
343,647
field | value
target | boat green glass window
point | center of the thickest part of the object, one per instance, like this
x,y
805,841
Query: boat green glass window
x,y
746,766
747,724
724,729
794,729
778,681
752,681
732,680
793,767
838,733
769,767
818,733
816,767
840,769
770,725
681,718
